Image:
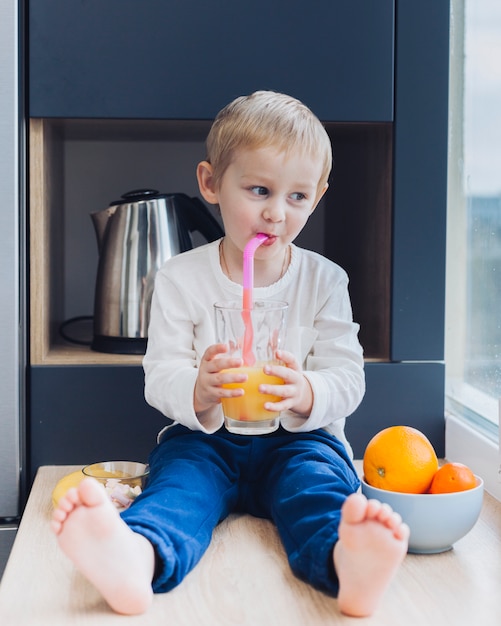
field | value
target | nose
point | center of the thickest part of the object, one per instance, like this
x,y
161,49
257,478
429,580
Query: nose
x,y
274,211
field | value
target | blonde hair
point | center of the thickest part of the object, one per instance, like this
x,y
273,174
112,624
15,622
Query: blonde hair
x,y
264,119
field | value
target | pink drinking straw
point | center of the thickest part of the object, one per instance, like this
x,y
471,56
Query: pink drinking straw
x,y
248,279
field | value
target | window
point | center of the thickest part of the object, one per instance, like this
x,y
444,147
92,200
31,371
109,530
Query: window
x,y
473,316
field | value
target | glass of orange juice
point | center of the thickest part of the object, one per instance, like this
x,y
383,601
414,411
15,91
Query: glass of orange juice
x,y
253,335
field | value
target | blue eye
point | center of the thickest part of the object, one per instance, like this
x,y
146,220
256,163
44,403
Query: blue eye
x,y
259,191
298,196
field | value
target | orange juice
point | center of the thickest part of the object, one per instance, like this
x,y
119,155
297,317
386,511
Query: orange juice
x,y
250,406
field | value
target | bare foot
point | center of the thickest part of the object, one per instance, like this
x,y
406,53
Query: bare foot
x,y
372,544
117,561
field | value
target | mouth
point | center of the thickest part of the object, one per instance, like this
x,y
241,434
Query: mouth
x,y
270,239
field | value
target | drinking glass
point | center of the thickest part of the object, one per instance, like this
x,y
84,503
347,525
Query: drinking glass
x,y
254,335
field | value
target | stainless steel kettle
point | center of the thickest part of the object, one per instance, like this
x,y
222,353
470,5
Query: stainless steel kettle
x,y
135,236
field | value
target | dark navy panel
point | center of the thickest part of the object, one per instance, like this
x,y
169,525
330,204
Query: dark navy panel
x,y
420,180
408,394
84,414
81,414
185,59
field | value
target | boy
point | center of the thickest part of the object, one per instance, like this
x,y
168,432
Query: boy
x,y
268,161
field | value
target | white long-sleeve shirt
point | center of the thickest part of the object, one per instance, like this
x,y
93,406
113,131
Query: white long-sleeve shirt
x,y
320,333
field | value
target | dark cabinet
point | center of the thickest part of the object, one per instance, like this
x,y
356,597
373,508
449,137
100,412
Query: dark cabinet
x,y
185,59
84,414
376,72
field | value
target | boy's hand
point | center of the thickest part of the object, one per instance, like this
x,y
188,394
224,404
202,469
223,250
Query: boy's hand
x,y
208,387
296,391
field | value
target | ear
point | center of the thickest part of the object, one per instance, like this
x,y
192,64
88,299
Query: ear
x,y
206,182
319,196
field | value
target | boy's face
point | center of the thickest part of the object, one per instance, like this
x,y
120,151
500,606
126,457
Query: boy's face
x,y
265,191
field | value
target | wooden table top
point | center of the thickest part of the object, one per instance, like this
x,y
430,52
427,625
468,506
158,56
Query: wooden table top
x,y
244,579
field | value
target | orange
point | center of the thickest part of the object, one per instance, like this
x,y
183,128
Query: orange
x,y
453,477
400,458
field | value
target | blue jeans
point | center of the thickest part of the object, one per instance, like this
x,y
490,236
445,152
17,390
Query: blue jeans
x,y
299,481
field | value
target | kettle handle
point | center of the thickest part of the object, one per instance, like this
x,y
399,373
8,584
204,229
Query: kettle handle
x,y
194,215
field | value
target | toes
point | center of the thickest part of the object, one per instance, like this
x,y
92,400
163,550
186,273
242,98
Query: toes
x,y
357,508
395,520
373,509
73,496
384,514
387,516
392,520
91,492
354,508
69,501
56,526
402,532
59,515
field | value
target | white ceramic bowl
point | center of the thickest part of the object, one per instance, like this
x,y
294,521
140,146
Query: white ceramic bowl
x,y
436,521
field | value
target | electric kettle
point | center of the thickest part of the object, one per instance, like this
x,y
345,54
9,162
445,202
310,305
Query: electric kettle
x,y
135,235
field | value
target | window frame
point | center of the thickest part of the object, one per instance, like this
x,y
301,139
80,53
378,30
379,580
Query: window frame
x,y
472,417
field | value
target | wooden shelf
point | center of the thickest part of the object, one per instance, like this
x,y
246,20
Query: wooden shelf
x,y
50,266
60,354
76,165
